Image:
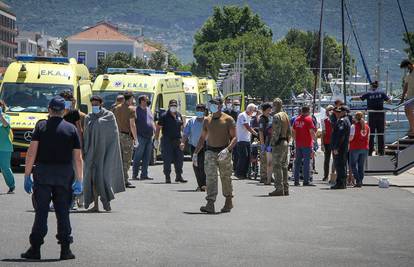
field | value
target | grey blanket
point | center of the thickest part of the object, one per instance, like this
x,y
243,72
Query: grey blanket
x,y
102,157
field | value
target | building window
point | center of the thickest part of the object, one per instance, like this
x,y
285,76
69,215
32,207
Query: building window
x,y
100,56
81,57
23,48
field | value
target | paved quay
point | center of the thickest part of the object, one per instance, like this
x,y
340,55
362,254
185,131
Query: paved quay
x,y
160,225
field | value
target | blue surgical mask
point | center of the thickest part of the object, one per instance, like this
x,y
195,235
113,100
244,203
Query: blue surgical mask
x,y
68,104
213,108
199,114
96,109
236,108
1,110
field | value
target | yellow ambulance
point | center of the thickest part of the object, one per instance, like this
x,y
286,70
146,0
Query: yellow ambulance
x,y
159,87
28,85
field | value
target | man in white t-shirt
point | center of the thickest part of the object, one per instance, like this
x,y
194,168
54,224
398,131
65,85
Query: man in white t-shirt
x,y
244,132
408,92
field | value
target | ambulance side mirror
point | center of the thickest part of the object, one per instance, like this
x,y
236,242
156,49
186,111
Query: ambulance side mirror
x,y
84,108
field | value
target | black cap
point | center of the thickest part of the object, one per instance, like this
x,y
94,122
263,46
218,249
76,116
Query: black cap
x,y
57,103
172,101
217,100
342,108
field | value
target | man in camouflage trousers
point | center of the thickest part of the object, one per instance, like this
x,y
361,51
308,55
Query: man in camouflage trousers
x,y
219,131
281,134
125,118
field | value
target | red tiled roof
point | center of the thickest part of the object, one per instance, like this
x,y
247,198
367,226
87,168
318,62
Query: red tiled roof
x,y
101,31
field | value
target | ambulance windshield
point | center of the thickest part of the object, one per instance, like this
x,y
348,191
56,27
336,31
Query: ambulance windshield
x,y
31,97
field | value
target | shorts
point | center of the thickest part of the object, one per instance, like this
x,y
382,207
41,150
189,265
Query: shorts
x,y
410,104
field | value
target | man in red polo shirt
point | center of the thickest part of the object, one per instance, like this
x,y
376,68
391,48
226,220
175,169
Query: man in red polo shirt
x,y
304,133
326,141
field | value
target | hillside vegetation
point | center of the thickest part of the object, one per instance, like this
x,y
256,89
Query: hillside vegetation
x,y
175,22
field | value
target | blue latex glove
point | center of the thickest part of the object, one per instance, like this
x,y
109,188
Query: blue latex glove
x,y
28,184
77,187
263,148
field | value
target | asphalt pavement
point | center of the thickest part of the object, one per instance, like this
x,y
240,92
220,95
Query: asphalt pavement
x,y
160,225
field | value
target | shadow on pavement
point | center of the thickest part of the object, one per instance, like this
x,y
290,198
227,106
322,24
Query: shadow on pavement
x,y
24,260
200,213
262,196
185,191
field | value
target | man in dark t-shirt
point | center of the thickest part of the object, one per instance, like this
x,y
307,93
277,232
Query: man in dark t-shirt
x,y
55,149
265,134
376,116
71,114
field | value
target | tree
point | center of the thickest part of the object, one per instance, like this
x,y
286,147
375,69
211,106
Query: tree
x,y
332,50
226,23
409,50
120,60
158,60
63,48
231,22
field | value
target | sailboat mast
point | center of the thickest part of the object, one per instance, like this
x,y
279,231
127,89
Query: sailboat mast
x,y
343,50
319,56
378,70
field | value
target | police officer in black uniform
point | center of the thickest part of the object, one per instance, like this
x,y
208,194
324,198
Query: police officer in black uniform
x,y
339,143
376,118
171,123
55,149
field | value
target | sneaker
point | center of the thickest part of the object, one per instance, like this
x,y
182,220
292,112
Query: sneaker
x,y
129,185
297,184
308,184
11,190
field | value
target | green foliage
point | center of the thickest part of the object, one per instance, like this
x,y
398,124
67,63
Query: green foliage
x,y
120,60
272,69
157,60
63,49
231,22
308,41
409,50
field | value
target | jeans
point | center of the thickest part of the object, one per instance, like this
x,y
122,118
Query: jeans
x,y
142,157
376,122
199,170
358,158
327,160
5,158
243,155
302,154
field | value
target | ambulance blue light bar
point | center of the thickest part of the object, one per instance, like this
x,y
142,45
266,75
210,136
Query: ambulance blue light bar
x,y
42,59
116,70
183,73
160,72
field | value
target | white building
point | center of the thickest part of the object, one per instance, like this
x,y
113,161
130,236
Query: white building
x,y
94,43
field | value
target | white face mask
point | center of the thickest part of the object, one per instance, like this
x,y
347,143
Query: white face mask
x,y
254,114
173,109
236,108
228,106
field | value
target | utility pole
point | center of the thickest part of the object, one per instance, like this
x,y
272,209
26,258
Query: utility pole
x,y
242,67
